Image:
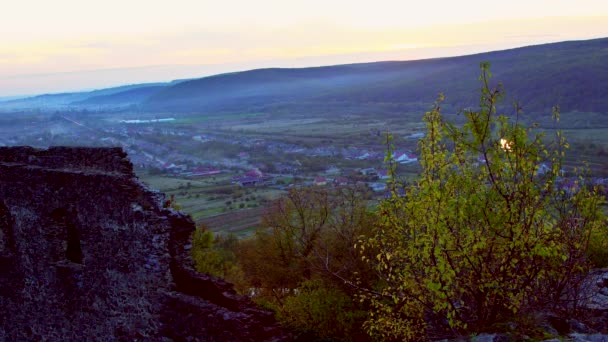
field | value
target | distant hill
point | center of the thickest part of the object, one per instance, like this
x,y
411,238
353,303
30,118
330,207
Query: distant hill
x,y
571,74
132,96
76,99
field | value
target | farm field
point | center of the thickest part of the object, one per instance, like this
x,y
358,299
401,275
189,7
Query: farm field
x,y
215,202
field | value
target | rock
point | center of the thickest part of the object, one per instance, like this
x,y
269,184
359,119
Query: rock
x,y
87,252
490,338
549,329
559,324
578,327
602,280
597,295
589,338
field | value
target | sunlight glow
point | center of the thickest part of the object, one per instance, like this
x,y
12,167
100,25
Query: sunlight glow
x,y
45,37
505,144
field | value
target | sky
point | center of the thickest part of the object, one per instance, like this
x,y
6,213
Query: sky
x,y
68,45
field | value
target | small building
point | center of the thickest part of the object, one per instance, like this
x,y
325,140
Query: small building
x,y
168,166
383,174
415,136
320,181
378,187
340,181
203,171
363,156
332,170
248,181
405,158
256,173
369,172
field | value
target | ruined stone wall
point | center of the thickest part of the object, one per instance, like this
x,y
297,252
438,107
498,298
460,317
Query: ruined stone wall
x,y
88,253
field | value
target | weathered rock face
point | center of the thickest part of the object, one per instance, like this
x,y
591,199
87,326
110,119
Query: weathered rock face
x,y
89,253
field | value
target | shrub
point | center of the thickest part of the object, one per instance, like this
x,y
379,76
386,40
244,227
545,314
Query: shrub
x,y
303,265
323,312
483,235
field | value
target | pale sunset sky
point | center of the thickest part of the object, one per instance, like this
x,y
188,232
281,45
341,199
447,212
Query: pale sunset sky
x,y
67,45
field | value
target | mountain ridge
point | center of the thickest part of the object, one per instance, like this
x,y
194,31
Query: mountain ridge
x,y
569,74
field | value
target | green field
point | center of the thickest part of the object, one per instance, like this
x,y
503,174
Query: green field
x,y
214,201
201,119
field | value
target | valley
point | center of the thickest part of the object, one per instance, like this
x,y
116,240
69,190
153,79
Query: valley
x,y
225,146
225,170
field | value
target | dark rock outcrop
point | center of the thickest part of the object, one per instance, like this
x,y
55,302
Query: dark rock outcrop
x,y
87,252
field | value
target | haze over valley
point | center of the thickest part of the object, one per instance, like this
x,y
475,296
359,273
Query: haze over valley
x,y
233,142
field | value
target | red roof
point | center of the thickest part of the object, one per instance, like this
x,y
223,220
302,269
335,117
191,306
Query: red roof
x,y
204,169
253,173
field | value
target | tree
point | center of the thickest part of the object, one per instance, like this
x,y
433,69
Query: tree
x,y
213,254
303,265
484,235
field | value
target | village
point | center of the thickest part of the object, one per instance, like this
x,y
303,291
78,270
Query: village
x,y
226,179
253,162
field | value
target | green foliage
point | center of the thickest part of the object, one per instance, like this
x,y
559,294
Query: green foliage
x,y
171,203
211,255
326,312
483,235
303,265
598,248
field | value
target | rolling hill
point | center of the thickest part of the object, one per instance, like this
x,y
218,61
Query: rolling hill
x,y
132,96
571,74
80,99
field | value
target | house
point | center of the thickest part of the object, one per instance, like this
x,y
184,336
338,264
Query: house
x,y
332,170
254,173
405,158
542,169
200,138
202,171
168,166
248,181
363,156
320,181
377,187
415,136
340,181
383,174
369,172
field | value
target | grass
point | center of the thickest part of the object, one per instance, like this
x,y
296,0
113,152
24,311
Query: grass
x,y
240,222
349,131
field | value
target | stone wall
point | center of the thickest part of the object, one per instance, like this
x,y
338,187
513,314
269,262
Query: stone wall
x,y
87,252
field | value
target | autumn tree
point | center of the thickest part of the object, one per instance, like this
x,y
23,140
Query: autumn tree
x,y
485,235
